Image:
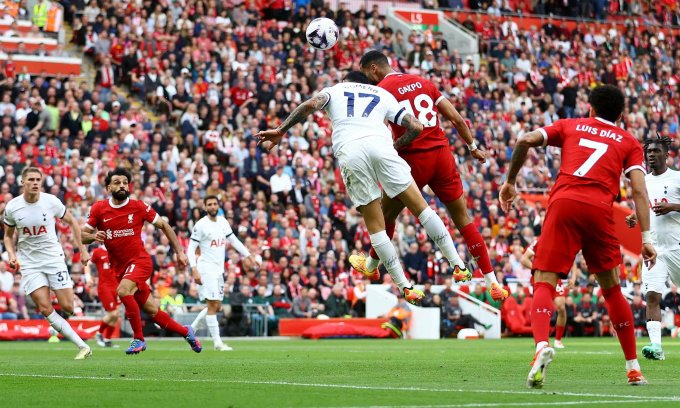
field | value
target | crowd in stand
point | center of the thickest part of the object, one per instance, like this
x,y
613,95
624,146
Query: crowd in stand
x,y
204,77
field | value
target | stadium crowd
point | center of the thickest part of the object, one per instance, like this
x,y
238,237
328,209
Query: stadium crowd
x,y
204,77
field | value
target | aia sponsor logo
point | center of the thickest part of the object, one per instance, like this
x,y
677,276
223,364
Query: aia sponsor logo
x,y
34,230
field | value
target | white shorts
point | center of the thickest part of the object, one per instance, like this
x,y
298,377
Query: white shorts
x,y
369,165
667,266
34,280
212,287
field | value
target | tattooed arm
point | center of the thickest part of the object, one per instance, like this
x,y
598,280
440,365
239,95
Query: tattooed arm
x,y
305,109
413,129
273,137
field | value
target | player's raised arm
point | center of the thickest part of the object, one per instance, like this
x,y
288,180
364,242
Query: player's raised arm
x,y
639,187
77,236
273,136
447,109
519,156
174,242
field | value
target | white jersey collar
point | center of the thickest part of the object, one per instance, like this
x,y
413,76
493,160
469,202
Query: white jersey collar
x,y
127,200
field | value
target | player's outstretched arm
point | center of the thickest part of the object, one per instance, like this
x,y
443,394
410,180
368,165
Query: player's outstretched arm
x,y
413,129
174,242
449,111
9,246
639,187
519,156
77,236
272,137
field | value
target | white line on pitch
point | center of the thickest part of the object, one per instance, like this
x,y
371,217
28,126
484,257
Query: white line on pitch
x,y
341,386
509,404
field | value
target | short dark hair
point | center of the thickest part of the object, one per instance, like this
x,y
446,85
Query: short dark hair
x,y
373,57
608,102
358,77
30,169
118,171
211,197
663,141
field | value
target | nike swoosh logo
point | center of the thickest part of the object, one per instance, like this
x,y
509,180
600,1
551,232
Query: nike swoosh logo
x,y
107,219
88,330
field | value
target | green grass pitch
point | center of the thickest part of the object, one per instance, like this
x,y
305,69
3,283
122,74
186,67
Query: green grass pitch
x,y
331,373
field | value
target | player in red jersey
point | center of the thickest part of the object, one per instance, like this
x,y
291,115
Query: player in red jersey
x,y
560,299
431,163
118,223
594,153
106,289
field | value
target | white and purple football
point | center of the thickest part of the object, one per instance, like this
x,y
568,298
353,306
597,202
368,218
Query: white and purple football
x,y
322,33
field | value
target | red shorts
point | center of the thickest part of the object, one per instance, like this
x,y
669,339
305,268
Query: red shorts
x,y
139,271
561,290
436,168
109,297
571,226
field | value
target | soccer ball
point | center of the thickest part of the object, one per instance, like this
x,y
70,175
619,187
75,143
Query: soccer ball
x,y
322,33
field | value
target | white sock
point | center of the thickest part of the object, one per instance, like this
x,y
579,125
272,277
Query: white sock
x,y
62,326
654,330
371,263
436,230
213,328
388,255
541,344
490,278
197,321
632,364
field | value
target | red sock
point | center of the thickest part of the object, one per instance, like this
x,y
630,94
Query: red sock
x,y
559,332
389,229
622,318
133,315
477,247
108,333
541,311
103,327
166,322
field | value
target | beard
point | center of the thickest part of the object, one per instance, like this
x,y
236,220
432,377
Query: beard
x,y
212,213
120,195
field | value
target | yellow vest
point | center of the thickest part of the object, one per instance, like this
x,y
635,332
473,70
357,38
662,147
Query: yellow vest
x,y
40,13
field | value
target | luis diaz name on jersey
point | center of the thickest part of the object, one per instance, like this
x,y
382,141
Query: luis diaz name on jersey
x,y
34,230
600,132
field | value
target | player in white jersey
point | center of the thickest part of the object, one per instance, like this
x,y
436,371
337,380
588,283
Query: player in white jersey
x,y
210,235
663,188
39,255
368,159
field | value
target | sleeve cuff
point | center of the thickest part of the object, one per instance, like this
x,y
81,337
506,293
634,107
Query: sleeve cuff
x,y
8,224
399,116
635,167
195,240
155,219
545,136
327,102
64,214
441,97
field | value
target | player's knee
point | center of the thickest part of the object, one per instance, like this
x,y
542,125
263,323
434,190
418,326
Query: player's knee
x,y
123,291
68,309
562,309
46,311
